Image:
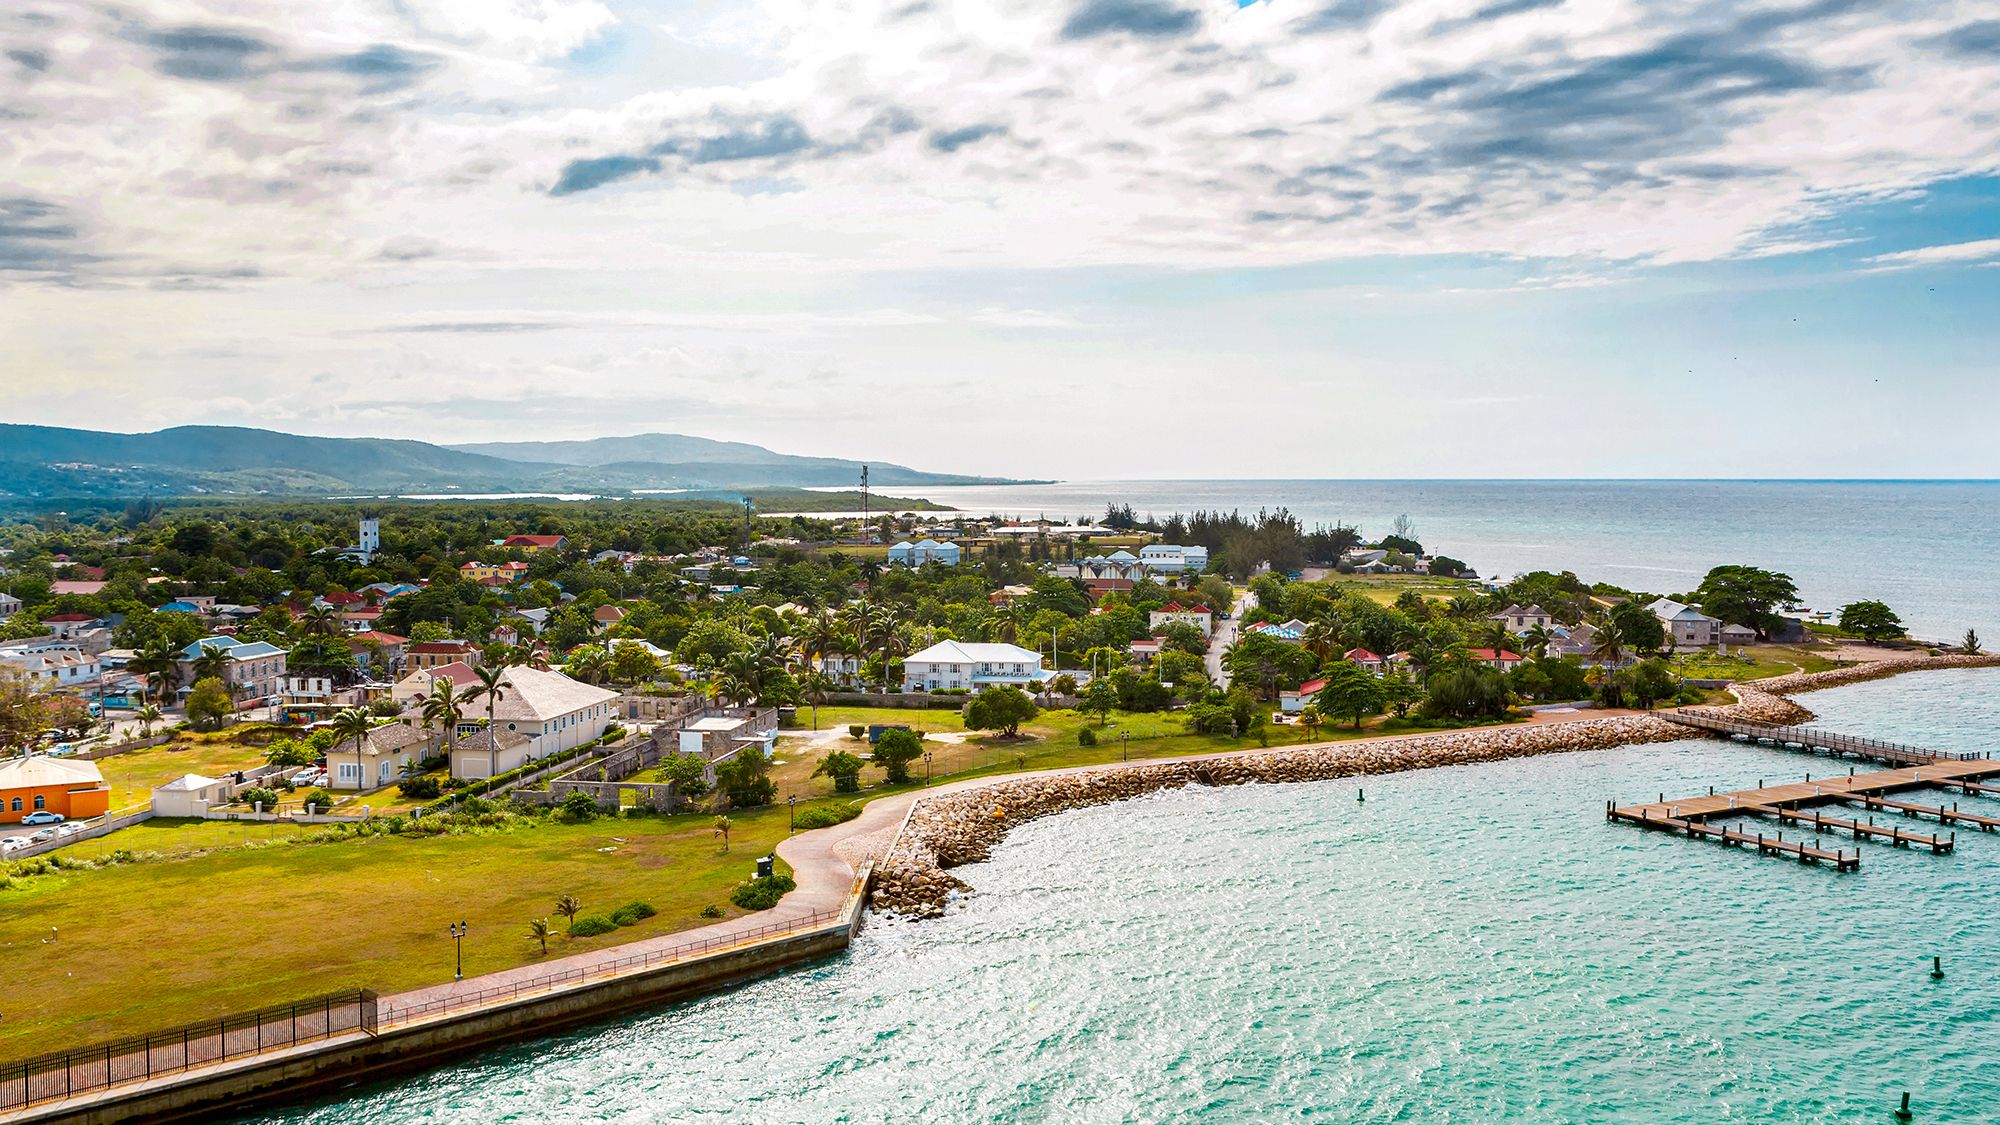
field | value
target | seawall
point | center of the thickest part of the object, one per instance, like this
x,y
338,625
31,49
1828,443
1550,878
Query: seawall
x,y
950,829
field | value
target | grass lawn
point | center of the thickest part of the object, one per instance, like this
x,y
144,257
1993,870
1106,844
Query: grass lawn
x,y
1384,589
135,774
149,946
1760,662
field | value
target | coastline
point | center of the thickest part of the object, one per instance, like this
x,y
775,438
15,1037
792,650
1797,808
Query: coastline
x,y
942,830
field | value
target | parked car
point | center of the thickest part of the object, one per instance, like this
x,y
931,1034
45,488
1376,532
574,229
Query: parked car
x,y
73,828
44,834
13,843
43,816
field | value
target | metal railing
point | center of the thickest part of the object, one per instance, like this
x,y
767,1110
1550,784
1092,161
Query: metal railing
x,y
1828,740
65,1074
392,1014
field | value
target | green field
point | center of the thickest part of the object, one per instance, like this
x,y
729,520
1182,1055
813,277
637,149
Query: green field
x,y
146,946
135,774
1759,662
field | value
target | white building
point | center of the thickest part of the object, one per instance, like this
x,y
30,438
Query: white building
x,y
189,796
1198,616
1167,558
253,667
965,664
1520,619
49,664
1687,627
557,712
924,551
9,605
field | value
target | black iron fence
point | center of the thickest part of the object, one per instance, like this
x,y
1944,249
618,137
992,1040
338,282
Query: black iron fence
x,y
69,1073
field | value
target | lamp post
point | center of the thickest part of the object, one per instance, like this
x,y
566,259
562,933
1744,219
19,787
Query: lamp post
x,y
793,816
927,767
1125,745
458,932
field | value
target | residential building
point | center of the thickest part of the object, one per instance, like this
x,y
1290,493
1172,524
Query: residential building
x,y
557,712
715,733
88,587
1293,702
380,759
254,668
1289,634
1368,661
416,686
68,787
607,615
1734,634
502,574
966,664
65,626
437,654
1145,651
1520,619
190,796
1198,616
482,753
1687,627
924,551
534,544
378,654
9,605
1502,660
48,664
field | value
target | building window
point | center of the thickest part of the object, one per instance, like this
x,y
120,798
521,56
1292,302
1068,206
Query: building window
x,y
17,804
41,802
349,771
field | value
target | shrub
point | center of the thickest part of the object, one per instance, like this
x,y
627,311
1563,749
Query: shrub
x,y
857,730
257,794
711,911
1086,737
894,752
632,913
424,786
320,799
762,894
593,926
577,808
825,816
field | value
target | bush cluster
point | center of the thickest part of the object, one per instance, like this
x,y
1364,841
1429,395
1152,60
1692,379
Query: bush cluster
x,y
633,913
825,816
764,893
593,926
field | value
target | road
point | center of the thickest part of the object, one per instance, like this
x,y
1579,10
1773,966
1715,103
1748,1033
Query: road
x,y
1225,635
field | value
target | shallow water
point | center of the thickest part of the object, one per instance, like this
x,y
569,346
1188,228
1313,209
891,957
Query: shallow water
x,y
1469,945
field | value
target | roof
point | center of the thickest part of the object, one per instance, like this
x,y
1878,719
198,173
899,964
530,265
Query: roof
x,y
1668,610
76,586
393,737
440,648
187,783
976,652
1487,654
534,695
608,613
1176,607
233,648
1311,687
533,540
1360,655
502,739
1122,556
24,773
379,637
458,672
65,618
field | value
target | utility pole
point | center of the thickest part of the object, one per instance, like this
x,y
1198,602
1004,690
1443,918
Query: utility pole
x,y
864,500
747,508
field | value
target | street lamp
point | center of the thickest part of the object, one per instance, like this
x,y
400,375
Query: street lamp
x,y
927,767
793,816
458,932
1125,745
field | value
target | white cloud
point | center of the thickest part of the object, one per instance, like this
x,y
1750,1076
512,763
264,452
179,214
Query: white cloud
x,y
1953,253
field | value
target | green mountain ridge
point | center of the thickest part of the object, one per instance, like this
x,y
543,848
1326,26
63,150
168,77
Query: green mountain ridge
x,y
52,461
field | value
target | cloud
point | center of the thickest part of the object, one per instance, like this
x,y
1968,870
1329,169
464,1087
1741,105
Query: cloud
x,y
779,135
29,58
1147,19
408,248
951,140
1956,253
586,173
207,54
37,236
1976,40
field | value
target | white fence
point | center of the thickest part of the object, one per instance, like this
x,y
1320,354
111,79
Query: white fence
x,y
103,827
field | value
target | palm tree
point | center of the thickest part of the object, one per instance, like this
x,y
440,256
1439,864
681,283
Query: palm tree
x,y
1319,639
722,827
354,723
491,687
1538,639
1607,645
538,930
817,685
213,663
569,908
1497,637
441,708
589,664
319,621
147,716
160,663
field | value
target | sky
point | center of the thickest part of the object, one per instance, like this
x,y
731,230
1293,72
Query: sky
x,y
1074,238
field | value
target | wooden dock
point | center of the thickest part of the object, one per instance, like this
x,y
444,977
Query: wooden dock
x,y
1831,743
1788,804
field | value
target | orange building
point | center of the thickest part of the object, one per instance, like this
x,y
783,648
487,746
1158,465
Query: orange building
x,y
59,785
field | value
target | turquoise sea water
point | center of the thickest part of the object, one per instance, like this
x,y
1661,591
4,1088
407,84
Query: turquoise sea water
x,y
1925,547
1469,945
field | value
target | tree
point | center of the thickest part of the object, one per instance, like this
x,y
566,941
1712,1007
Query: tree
x,y
1746,595
355,723
894,752
492,689
1874,621
569,908
538,930
631,664
845,770
1350,692
745,778
1607,643
208,704
1465,691
1311,718
1000,708
211,664
20,710
1400,693
1638,627
147,716
687,772
721,829
441,709
160,663
589,664
1099,697
1971,643
1648,682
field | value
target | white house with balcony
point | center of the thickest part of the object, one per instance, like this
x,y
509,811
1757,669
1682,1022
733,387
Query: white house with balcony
x,y
971,665
1198,616
251,667
50,664
924,551
1169,558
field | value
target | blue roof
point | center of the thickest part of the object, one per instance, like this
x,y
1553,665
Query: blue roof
x,y
180,607
237,650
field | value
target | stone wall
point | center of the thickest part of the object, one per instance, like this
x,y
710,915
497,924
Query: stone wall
x,y
944,831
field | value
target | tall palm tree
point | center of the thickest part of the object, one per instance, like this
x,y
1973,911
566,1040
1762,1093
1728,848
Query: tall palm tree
x,y
213,663
492,687
817,686
1608,643
589,664
889,640
1497,637
441,707
354,722
147,716
160,663
319,621
1538,640
1319,639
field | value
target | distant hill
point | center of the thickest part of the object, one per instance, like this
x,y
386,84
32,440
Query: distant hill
x,y
50,461
702,459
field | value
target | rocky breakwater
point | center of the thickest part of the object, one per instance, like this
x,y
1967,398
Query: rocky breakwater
x,y
1768,701
961,827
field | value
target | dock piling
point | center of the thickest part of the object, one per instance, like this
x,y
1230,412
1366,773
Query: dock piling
x,y
1937,967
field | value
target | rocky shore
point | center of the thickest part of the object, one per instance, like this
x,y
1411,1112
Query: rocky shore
x,y
945,831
